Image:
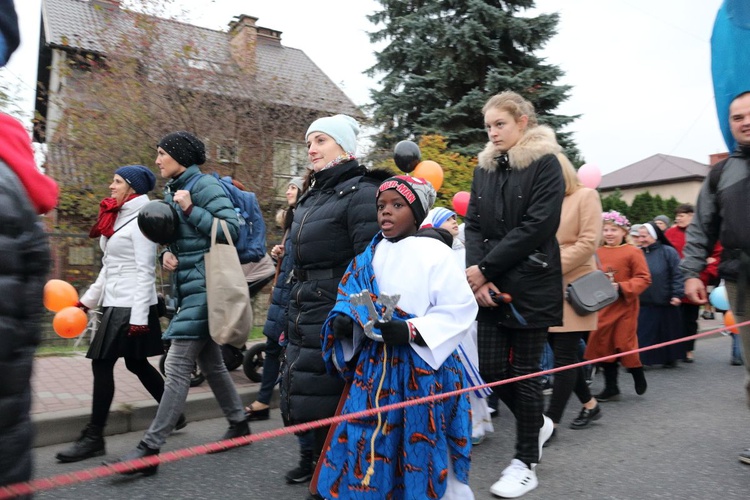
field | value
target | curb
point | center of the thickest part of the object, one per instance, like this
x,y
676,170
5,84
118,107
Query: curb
x,y
65,426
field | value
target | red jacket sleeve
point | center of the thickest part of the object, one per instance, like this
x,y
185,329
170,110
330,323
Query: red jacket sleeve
x,y
16,152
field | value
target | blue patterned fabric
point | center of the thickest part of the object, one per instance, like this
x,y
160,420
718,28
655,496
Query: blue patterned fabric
x,y
412,444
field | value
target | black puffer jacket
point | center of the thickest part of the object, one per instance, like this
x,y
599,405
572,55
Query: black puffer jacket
x,y
334,221
23,269
513,215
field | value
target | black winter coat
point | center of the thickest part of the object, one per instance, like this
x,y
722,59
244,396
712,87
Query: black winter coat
x,y
334,221
513,215
23,270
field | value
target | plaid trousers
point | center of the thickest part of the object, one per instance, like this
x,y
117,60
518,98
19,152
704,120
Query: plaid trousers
x,y
506,353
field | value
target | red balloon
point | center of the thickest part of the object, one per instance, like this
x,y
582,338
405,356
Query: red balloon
x,y
69,322
431,171
729,322
59,294
461,202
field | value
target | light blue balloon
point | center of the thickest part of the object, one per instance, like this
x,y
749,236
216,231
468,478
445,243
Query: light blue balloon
x,y
719,299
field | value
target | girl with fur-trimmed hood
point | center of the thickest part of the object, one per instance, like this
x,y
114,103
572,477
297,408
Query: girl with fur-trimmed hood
x,y
513,215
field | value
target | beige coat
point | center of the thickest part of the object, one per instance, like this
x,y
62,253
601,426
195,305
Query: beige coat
x,y
579,235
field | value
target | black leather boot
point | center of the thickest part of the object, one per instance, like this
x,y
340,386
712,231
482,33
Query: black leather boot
x,y
140,451
611,392
304,471
639,379
236,429
89,445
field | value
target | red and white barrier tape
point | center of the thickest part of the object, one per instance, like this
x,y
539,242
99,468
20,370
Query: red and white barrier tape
x,y
69,478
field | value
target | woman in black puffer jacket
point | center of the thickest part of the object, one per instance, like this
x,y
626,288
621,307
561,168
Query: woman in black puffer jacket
x,y
334,221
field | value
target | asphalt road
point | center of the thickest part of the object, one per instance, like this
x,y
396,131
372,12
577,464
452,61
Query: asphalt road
x,y
678,441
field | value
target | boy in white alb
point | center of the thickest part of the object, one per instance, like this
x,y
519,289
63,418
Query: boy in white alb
x,y
420,451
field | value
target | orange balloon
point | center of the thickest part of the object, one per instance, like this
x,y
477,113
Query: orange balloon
x,y
729,322
59,294
431,171
70,322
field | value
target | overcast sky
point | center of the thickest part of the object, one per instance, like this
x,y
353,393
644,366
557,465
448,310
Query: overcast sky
x,y
640,69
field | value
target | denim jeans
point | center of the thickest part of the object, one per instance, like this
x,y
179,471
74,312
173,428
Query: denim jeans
x,y
271,365
181,357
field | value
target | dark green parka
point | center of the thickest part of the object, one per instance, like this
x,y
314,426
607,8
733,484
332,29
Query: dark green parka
x,y
193,240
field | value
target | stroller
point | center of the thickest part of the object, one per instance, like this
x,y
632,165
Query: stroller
x,y
250,359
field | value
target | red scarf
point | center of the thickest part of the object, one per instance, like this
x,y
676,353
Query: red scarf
x,y
105,223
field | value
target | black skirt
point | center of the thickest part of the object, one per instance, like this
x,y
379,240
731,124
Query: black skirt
x,y
111,340
657,324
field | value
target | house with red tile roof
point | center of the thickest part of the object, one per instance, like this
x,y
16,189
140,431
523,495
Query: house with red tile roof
x,y
660,174
249,97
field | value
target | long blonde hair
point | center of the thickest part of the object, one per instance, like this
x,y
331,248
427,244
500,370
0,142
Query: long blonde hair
x,y
572,183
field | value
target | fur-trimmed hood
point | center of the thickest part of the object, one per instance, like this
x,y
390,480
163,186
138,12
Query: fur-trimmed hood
x,y
535,143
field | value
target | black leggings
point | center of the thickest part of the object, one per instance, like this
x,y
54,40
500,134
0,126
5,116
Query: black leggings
x,y
565,349
104,384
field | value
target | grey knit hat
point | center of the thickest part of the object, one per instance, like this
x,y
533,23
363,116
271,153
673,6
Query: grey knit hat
x,y
664,219
298,182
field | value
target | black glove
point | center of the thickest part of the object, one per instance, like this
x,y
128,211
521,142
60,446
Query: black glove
x,y
395,332
343,327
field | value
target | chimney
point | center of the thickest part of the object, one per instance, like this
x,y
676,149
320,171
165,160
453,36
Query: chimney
x,y
106,4
244,35
716,158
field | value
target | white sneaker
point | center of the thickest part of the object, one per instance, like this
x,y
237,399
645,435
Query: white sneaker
x,y
516,480
545,432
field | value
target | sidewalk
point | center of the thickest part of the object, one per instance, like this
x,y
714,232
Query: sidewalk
x,y
61,399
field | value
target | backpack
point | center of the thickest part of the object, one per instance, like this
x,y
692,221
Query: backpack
x,y
251,242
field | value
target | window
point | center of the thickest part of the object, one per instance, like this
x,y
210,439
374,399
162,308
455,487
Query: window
x,y
227,152
289,160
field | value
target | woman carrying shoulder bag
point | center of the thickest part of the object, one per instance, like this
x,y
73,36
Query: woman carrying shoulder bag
x,y
178,157
579,234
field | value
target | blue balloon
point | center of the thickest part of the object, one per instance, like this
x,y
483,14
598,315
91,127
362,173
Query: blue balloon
x,y
719,299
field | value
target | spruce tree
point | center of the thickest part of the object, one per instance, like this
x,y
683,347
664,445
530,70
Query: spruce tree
x,y
445,58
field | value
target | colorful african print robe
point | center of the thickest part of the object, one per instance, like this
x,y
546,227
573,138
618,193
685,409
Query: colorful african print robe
x,y
414,447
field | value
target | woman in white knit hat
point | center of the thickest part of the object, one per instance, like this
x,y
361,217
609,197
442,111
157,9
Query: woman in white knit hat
x,y
333,221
